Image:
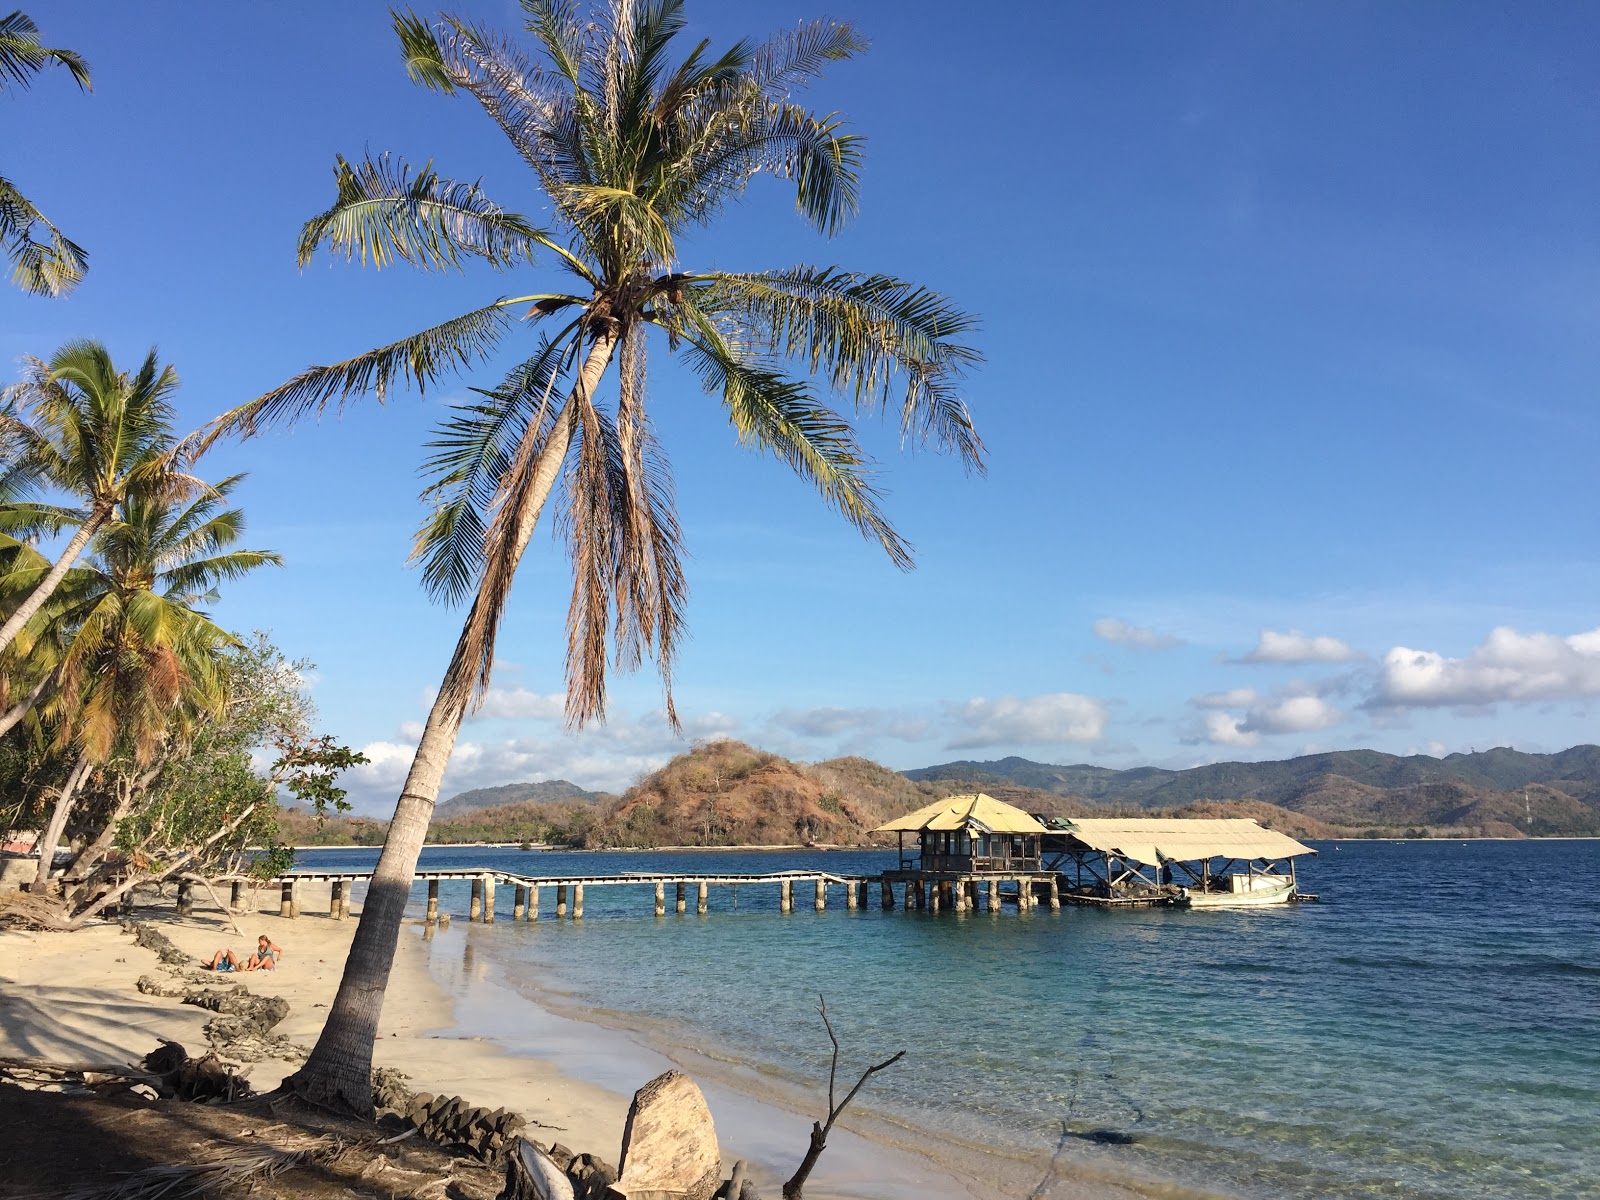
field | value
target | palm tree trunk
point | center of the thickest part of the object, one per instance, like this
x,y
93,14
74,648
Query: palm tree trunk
x,y
58,822
46,586
338,1075
23,707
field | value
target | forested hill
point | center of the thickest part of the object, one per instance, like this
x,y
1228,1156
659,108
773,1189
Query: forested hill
x,y
551,791
1498,792
1575,771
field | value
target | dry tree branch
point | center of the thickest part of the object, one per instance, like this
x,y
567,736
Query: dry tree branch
x,y
794,1188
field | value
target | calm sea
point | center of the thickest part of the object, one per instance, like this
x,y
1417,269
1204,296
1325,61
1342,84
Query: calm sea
x,y
1430,1030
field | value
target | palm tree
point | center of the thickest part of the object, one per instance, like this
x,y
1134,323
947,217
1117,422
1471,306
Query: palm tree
x,y
141,648
78,424
54,264
631,152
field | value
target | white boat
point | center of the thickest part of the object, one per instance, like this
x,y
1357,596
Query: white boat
x,y
1243,891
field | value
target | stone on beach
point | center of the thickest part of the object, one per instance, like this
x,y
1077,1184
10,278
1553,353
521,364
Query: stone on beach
x,y
531,1174
669,1145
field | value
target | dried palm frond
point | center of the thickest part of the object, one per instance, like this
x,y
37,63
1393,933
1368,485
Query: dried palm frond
x,y
199,1179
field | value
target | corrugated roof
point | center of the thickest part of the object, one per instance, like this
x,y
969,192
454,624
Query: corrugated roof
x,y
1152,839
957,812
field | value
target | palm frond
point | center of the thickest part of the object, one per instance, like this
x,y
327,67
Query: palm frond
x,y
385,212
424,57
44,261
470,463
861,333
419,359
22,56
779,415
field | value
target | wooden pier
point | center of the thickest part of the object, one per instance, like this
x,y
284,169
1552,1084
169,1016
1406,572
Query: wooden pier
x,y
562,897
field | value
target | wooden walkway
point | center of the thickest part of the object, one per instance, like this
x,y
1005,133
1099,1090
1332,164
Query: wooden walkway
x,y
930,891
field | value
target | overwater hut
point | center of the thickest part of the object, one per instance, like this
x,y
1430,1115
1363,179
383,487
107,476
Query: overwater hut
x,y
1155,860
965,841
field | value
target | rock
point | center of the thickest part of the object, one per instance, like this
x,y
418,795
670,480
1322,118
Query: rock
x,y
669,1143
152,938
748,1191
532,1175
591,1177
207,1079
165,1058
418,1111
561,1155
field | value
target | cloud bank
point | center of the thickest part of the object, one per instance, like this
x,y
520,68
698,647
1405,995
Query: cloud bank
x,y
1507,666
1109,629
1296,647
1027,721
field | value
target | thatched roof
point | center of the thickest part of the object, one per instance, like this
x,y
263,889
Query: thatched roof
x,y
980,812
1156,839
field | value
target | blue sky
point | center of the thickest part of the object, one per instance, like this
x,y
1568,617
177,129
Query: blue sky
x,y
1290,314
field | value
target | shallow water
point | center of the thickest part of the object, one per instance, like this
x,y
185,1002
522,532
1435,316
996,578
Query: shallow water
x,y
1431,1029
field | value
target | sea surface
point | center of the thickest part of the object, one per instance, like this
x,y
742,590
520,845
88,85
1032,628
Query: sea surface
x,y
1431,1029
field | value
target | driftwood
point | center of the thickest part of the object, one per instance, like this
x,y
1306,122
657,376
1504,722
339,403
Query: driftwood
x,y
531,1174
794,1189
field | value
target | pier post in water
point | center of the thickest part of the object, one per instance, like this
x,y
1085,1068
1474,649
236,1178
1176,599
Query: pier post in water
x,y
661,899
701,897
519,905
822,894
961,896
294,900
475,909
489,882
683,903
433,900
533,902
561,900
286,899
887,889
336,900
994,895
850,886
1055,894
577,902
786,896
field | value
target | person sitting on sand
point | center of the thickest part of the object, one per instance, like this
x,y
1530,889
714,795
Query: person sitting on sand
x,y
266,956
224,960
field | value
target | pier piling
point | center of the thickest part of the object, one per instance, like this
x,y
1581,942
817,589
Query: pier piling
x,y
850,886
286,899
994,895
700,904
786,896
661,899
682,899
336,908
533,902
433,899
887,889
519,904
236,895
577,902
185,898
489,882
561,900
475,908
822,894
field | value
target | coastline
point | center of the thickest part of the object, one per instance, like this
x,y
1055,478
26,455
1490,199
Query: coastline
x,y
454,1024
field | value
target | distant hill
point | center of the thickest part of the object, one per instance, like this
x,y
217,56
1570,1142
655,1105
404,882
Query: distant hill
x,y
551,791
1346,789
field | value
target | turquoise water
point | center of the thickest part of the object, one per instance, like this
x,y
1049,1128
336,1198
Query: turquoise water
x,y
1432,1029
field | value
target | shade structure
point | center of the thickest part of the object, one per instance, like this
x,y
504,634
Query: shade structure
x,y
979,811
1154,840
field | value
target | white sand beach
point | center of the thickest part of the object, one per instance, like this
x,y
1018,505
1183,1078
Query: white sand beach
x,y
72,997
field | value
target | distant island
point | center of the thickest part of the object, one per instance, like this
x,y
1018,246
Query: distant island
x,y
728,793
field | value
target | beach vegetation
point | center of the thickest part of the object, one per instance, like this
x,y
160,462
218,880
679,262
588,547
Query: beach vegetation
x,y
632,150
43,260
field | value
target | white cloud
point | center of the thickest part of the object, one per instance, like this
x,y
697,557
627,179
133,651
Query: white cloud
x,y
1235,698
1109,629
1292,714
519,704
860,723
1028,720
1296,647
1223,729
1508,666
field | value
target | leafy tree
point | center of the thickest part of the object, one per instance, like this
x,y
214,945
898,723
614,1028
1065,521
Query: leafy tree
x,y
143,659
78,424
43,260
632,152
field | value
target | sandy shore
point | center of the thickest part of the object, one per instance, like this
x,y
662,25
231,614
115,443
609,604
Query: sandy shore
x,y
72,997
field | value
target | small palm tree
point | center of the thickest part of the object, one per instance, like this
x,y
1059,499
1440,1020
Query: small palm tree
x,y
52,264
140,647
78,424
632,152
